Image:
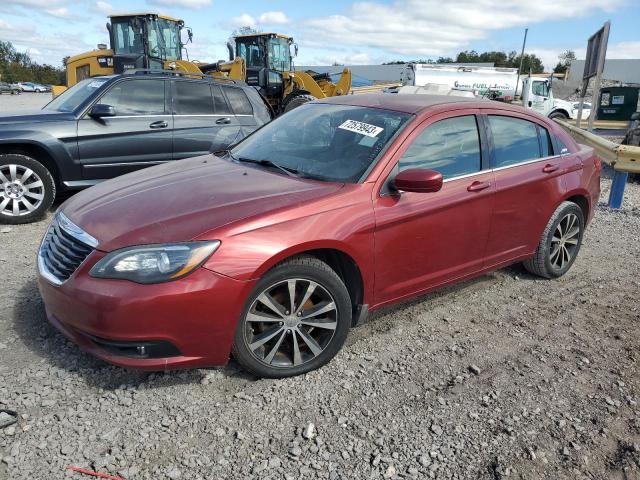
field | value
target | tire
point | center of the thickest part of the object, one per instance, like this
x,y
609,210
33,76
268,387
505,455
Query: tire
x,y
559,244
559,116
292,346
27,189
295,100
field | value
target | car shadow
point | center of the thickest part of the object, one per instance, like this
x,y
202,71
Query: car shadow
x,y
45,341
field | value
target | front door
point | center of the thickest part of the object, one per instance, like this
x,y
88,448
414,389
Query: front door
x,y
538,96
138,136
423,240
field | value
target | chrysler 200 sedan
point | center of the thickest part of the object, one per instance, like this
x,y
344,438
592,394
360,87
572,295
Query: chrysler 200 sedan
x,y
271,251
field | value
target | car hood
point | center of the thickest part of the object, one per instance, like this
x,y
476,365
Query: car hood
x,y
181,200
34,116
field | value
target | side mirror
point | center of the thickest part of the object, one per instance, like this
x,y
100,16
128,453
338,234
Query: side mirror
x,y
101,110
418,180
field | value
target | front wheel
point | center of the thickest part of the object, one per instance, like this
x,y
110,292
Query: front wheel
x,y
27,189
559,116
295,100
560,242
296,320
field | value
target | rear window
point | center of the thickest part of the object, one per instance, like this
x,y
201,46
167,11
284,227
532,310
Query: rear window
x,y
193,99
239,102
514,140
220,103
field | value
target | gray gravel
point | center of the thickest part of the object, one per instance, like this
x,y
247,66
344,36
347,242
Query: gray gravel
x,y
503,376
24,101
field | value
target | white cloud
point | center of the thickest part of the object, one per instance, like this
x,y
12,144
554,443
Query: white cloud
x,y
273,18
244,20
61,12
42,48
435,27
194,4
339,58
104,8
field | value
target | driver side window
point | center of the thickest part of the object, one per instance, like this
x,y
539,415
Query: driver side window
x,y
450,146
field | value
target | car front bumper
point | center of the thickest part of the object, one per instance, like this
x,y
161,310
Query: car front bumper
x,y
193,318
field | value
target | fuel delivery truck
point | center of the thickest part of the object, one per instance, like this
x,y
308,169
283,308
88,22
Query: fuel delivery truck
x,y
496,83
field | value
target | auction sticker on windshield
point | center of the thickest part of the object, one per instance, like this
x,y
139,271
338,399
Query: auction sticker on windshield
x,y
361,127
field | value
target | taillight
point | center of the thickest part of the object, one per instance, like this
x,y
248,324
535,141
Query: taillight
x,y
597,163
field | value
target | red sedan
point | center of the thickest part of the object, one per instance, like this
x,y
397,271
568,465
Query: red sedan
x,y
274,249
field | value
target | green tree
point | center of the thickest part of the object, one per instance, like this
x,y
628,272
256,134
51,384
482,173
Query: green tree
x,y
19,67
565,61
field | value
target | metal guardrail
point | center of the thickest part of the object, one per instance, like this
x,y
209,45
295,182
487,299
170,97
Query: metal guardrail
x,y
622,158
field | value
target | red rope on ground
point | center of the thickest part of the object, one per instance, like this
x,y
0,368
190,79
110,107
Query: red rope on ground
x,y
92,473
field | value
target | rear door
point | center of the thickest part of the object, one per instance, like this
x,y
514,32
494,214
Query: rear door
x,y
242,108
137,137
529,183
203,121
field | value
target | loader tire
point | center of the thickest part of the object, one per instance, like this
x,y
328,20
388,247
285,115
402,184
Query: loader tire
x,y
295,100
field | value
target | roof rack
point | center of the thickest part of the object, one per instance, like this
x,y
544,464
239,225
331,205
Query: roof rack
x,y
178,73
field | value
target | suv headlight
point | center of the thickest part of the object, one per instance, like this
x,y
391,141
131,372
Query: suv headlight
x,y
154,263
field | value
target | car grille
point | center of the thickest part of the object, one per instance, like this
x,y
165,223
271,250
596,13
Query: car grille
x,y
64,247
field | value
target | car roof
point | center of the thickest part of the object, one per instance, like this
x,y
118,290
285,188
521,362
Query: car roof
x,y
411,103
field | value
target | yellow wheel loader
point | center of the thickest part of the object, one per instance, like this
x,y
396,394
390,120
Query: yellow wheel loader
x,y
268,66
148,41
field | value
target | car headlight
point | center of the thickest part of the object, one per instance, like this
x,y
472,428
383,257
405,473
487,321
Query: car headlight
x,y
154,263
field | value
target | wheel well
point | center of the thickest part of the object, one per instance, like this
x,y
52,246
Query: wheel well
x,y
37,153
347,270
562,111
582,202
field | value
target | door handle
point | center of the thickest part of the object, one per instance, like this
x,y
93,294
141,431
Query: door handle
x,y
477,186
159,124
548,168
223,121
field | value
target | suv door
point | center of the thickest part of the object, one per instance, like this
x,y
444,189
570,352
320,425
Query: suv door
x,y
529,183
137,137
203,122
423,240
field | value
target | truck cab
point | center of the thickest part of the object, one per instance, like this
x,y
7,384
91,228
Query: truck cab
x,y
537,95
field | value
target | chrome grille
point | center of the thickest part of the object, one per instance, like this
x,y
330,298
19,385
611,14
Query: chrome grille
x,y
64,247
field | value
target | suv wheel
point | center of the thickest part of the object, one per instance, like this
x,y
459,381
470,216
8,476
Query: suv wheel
x,y
296,320
27,189
560,242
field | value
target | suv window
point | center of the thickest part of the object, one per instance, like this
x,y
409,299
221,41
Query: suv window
x,y
136,97
239,102
451,146
514,140
193,98
219,101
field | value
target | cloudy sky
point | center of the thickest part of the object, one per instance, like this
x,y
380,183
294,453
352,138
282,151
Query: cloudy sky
x,y
338,31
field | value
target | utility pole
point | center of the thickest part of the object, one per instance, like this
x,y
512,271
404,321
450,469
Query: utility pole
x,y
524,42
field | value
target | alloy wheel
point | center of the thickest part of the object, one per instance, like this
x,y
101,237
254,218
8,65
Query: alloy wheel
x,y
564,242
290,323
21,190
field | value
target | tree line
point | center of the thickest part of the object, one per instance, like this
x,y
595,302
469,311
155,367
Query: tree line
x,y
530,62
20,67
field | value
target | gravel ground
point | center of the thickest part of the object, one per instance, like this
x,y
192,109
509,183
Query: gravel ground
x,y
24,101
503,376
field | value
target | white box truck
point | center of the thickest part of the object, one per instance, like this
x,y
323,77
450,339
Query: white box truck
x,y
496,83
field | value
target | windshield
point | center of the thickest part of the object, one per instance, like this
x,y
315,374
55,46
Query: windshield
x,y
164,39
328,142
127,39
73,97
279,55
249,49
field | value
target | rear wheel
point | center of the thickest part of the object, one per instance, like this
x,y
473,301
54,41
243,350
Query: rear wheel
x,y
296,320
295,100
560,242
27,189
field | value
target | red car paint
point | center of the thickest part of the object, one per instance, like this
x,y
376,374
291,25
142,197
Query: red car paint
x,y
403,245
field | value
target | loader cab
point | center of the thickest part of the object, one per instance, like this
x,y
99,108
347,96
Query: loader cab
x,y
144,41
267,57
